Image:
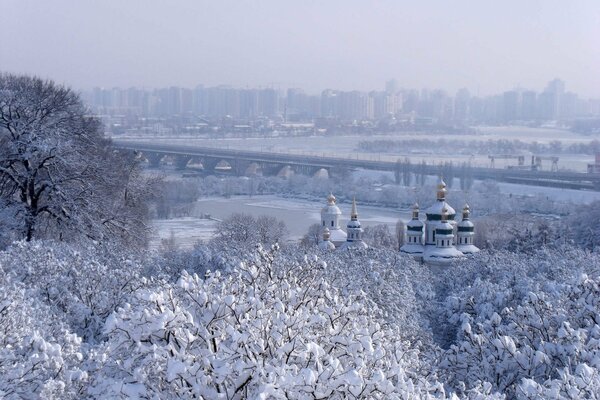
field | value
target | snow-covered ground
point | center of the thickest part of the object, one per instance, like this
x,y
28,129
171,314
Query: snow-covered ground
x,y
184,231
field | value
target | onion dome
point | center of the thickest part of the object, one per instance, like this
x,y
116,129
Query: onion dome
x,y
326,244
415,212
466,233
331,199
465,223
414,235
441,190
331,207
330,218
415,223
434,213
466,211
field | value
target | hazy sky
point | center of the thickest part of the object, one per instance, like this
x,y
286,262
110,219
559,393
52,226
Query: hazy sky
x,y
484,45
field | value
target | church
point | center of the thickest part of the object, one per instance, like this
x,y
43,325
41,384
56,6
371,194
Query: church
x,y
438,240
333,235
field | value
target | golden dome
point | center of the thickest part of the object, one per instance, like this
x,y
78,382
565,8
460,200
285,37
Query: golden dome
x,y
441,189
466,211
331,199
415,213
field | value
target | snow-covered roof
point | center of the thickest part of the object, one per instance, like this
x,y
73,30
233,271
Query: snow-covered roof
x,y
331,209
444,226
354,245
326,245
437,207
439,255
415,223
353,224
465,223
337,236
467,248
412,248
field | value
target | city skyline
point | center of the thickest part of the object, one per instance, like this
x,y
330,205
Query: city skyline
x,y
555,102
485,47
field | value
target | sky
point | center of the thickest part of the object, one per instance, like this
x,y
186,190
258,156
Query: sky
x,y
486,46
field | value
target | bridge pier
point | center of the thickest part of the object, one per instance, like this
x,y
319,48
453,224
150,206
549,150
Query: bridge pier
x,y
181,161
286,172
253,169
154,159
239,167
209,164
322,173
269,169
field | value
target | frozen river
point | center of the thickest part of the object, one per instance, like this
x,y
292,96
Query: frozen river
x,y
297,214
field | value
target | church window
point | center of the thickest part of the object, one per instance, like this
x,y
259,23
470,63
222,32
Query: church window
x,y
331,223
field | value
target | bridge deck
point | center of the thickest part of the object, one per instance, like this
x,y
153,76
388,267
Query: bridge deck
x,y
560,179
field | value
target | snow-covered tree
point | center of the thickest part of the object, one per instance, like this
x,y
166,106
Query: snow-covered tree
x,y
59,177
527,325
82,286
243,230
380,236
313,236
262,332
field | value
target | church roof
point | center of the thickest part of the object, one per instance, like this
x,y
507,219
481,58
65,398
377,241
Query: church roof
x,y
415,223
337,235
331,210
354,245
465,223
353,223
437,207
326,245
412,248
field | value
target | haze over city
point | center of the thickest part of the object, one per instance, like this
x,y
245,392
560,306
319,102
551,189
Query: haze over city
x,y
487,47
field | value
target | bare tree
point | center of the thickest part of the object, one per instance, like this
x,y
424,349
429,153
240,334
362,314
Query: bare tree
x,y
59,177
270,230
313,236
380,236
399,233
242,229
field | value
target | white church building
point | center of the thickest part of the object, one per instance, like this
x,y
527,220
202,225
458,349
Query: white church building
x,y
438,240
333,235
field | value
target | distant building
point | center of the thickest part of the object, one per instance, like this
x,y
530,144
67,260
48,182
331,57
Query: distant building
x,y
511,105
528,105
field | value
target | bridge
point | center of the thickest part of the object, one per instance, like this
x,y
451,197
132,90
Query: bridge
x,y
243,162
